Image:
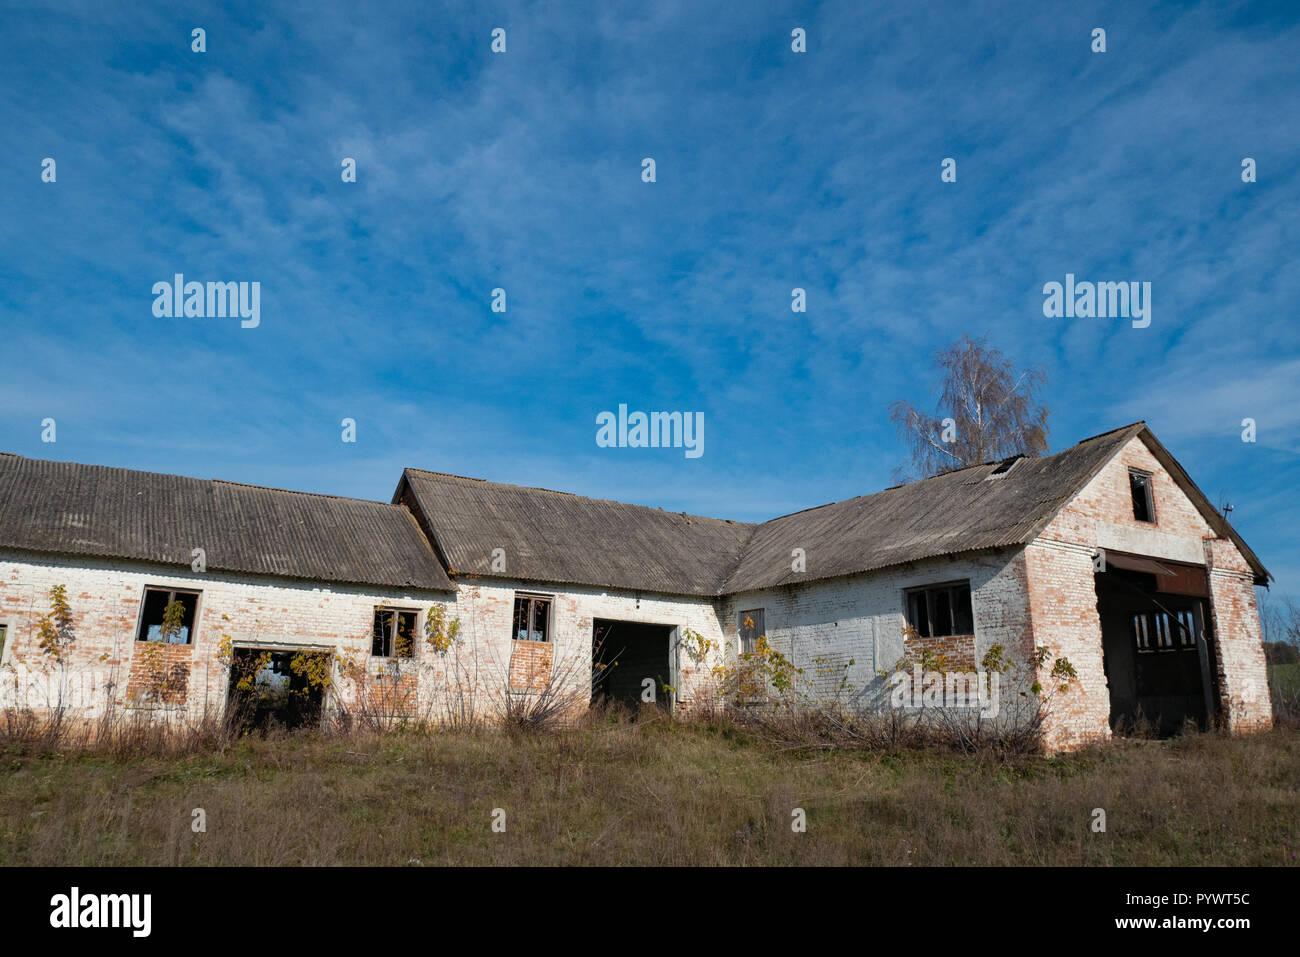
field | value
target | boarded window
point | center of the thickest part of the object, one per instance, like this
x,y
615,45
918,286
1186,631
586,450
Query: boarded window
x,y
751,627
939,611
157,624
532,618
393,635
1144,506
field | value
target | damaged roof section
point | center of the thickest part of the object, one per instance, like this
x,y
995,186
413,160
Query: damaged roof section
x,y
948,514
66,508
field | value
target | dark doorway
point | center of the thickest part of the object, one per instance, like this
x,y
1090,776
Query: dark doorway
x,y
624,654
1157,643
276,688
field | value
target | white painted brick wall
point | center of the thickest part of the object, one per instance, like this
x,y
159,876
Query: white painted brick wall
x,y
105,598
486,611
861,617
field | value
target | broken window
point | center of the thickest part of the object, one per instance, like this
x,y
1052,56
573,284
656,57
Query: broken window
x,y
270,687
393,635
1144,506
532,618
167,615
940,611
4,631
750,628
918,613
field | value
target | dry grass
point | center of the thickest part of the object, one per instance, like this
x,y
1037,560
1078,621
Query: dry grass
x,y
647,791
1284,684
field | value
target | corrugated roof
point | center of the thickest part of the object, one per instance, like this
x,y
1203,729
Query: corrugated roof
x,y
959,511
546,536
570,539
67,508
558,537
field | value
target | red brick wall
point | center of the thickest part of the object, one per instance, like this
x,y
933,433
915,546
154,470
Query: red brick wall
x,y
957,651
530,665
160,674
393,693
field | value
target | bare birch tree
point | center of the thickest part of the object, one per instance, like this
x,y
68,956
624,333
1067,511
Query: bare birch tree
x,y
987,412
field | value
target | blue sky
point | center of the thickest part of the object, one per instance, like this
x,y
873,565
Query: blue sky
x,y
522,171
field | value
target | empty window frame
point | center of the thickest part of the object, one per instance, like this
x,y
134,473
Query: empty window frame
x,y
4,633
938,611
750,626
1164,634
1144,504
1164,631
532,618
393,634
155,622
1141,634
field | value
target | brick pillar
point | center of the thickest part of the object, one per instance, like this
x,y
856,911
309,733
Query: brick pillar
x,y
1242,669
1063,611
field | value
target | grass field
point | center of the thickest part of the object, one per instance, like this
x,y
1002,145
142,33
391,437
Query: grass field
x,y
1285,681
651,792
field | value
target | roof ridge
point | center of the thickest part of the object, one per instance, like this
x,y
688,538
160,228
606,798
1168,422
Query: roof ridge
x,y
467,478
295,491
1140,423
964,468
589,498
195,478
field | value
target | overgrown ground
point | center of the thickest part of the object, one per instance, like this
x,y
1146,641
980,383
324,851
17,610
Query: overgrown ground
x,y
651,792
1285,682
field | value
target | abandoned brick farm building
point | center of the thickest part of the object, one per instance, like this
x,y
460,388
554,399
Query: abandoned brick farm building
x,y
1106,553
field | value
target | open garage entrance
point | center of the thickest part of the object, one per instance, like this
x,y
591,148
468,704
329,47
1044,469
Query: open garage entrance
x,y
1157,641
276,688
627,654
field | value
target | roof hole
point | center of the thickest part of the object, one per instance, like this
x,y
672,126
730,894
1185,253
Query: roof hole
x,y
1005,466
